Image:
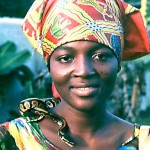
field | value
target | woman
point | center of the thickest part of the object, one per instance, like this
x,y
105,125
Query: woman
x,y
83,43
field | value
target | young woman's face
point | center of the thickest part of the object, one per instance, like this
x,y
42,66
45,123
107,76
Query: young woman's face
x,y
84,73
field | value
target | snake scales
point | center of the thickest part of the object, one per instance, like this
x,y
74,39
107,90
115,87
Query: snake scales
x,y
37,109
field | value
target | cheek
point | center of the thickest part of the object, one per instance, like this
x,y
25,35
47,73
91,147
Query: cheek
x,y
108,75
109,71
59,74
60,79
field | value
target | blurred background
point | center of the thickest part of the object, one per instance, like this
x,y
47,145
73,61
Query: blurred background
x,y
23,72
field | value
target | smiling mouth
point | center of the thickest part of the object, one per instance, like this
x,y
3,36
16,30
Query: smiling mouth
x,y
85,91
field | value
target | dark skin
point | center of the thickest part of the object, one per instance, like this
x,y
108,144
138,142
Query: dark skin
x,y
84,74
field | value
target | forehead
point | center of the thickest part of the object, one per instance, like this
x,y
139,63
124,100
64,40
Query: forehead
x,y
83,46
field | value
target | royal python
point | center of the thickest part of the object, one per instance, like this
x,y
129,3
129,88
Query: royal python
x,y
37,109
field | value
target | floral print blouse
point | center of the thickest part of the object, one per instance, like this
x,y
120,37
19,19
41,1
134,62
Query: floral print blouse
x,y
19,134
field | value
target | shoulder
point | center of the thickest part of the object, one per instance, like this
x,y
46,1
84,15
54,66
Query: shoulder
x,y
6,138
20,134
144,137
9,129
16,122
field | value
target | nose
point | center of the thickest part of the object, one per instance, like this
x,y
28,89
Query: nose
x,y
84,67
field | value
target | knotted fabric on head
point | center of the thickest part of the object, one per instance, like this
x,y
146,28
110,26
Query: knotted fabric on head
x,y
116,24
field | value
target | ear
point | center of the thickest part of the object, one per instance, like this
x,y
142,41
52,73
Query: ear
x,y
54,91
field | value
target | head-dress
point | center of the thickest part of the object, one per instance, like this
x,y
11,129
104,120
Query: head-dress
x,y
116,24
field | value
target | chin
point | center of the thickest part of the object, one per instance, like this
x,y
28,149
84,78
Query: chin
x,y
87,104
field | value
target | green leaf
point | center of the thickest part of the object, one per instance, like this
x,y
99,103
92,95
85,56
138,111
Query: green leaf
x,y
6,48
12,61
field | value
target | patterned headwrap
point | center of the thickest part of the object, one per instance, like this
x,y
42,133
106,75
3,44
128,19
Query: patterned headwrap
x,y
114,23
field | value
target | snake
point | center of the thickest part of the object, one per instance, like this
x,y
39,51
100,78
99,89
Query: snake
x,y
37,109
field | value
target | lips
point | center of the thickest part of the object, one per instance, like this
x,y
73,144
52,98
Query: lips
x,y
84,90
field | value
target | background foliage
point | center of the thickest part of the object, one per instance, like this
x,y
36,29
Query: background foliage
x,y
18,8
14,8
38,85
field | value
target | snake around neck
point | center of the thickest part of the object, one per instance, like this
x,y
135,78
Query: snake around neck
x,y
37,109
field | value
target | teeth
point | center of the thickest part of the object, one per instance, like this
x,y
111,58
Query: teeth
x,y
84,89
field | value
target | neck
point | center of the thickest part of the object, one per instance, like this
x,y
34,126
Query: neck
x,y
83,122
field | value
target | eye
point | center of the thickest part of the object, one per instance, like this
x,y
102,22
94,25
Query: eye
x,y
65,59
100,56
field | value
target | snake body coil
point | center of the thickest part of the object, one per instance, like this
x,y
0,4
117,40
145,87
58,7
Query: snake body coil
x,y
37,109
